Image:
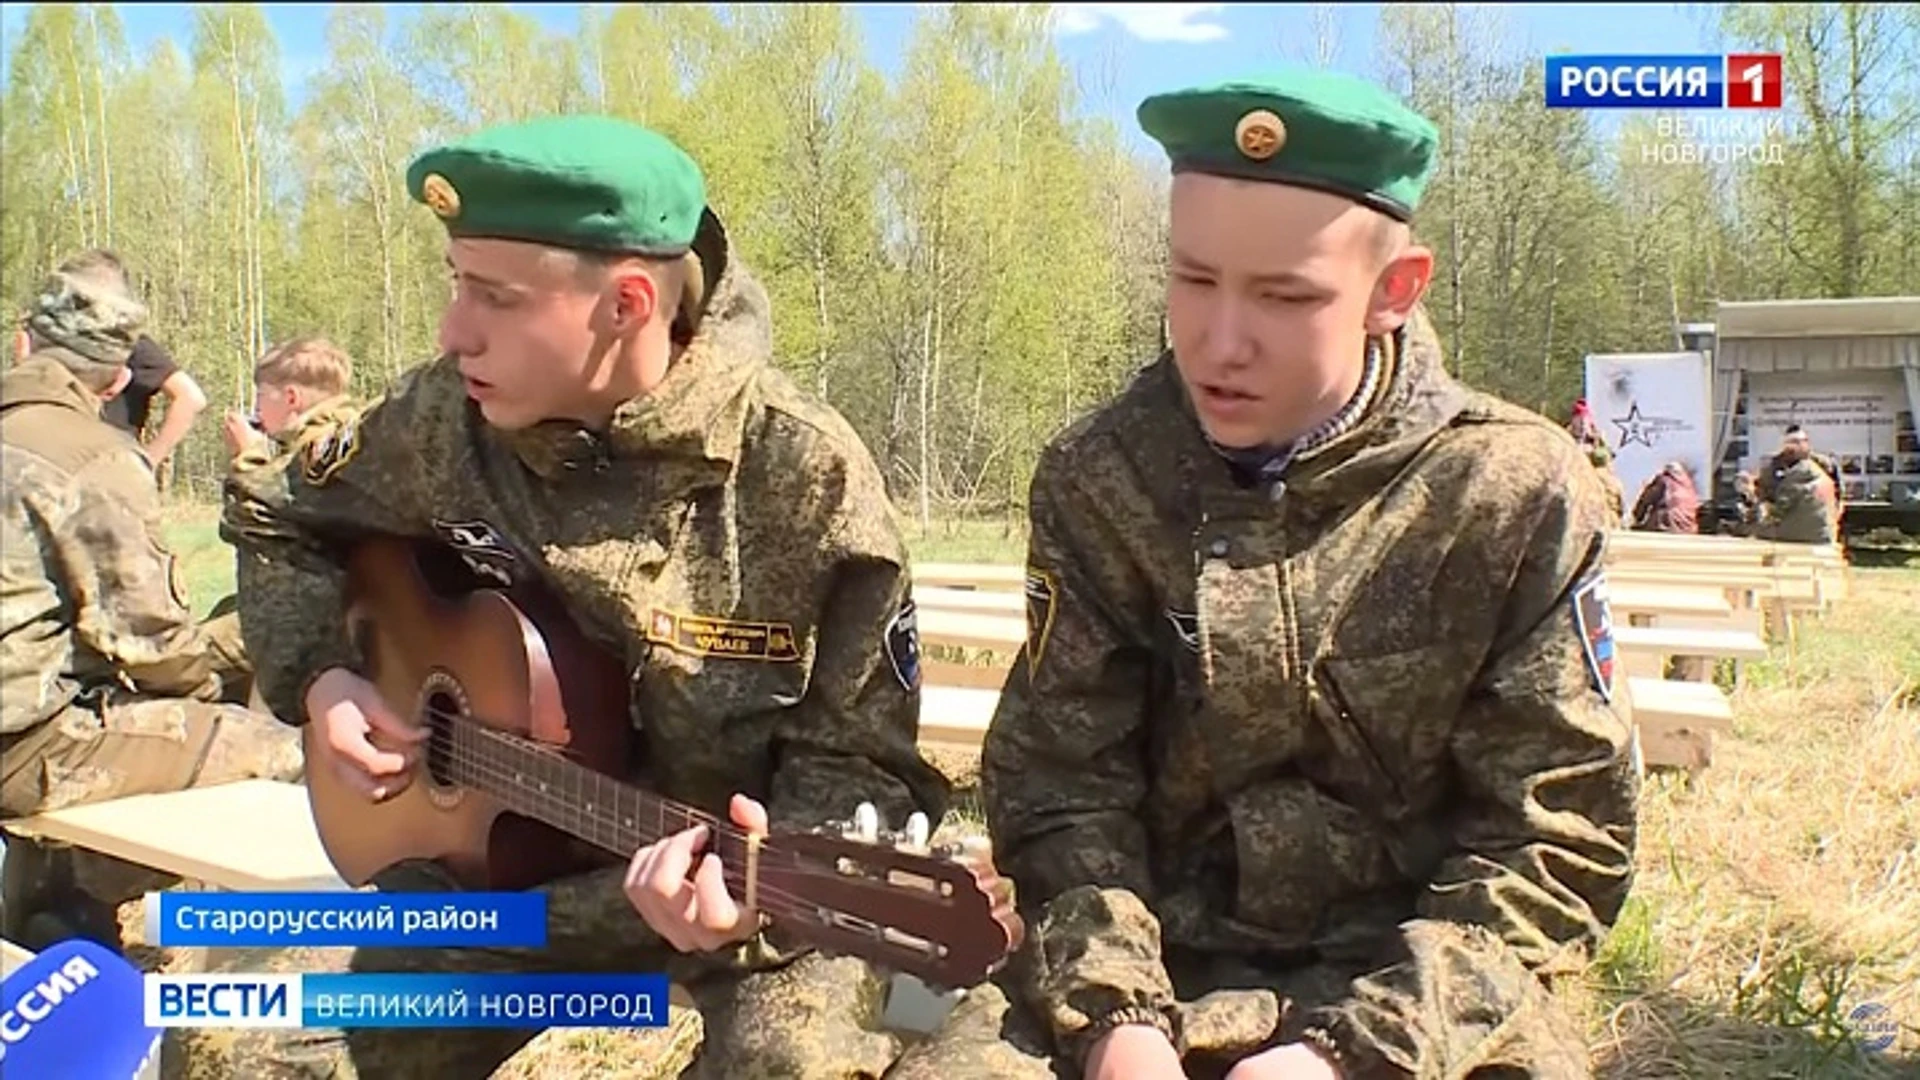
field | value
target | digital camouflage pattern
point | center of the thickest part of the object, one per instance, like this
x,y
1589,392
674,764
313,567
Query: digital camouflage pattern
x,y
811,1017
728,536
1339,734
109,688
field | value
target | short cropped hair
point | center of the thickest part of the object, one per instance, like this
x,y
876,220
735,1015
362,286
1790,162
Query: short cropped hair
x,y
311,363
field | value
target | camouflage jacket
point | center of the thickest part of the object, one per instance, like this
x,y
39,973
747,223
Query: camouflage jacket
x,y
90,597
265,451
1800,500
728,536
1293,721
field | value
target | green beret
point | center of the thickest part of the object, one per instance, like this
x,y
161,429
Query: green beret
x,y
1315,129
590,183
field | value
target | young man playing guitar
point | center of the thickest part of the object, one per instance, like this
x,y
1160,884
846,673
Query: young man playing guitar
x,y
606,419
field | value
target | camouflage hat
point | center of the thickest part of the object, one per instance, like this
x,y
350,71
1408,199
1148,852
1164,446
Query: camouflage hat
x,y
589,183
88,315
1309,128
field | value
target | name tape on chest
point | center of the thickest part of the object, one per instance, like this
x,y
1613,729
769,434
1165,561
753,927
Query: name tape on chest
x,y
705,636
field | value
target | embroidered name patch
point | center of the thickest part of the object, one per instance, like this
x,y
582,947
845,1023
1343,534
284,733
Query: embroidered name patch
x,y
329,453
1042,592
903,646
1594,619
698,635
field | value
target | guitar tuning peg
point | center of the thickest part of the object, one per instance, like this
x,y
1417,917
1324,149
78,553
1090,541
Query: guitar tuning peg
x,y
914,837
865,826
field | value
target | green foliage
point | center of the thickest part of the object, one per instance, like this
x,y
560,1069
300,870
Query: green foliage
x,y
960,260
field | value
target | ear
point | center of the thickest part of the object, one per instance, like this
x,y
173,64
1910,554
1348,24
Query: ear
x,y
636,296
1398,288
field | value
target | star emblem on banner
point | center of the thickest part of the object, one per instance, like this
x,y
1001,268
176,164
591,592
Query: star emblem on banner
x,y
1633,428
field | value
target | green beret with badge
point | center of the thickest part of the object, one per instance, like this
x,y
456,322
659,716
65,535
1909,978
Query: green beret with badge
x,y
588,183
1303,127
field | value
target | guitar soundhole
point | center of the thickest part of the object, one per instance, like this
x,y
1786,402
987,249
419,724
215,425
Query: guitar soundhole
x,y
442,704
440,708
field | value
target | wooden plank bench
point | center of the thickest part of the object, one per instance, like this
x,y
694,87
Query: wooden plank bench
x,y
956,716
1675,722
1645,650
12,956
977,601
252,835
972,629
980,576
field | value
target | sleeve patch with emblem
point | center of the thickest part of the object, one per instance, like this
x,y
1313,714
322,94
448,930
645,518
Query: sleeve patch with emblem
x,y
1042,592
903,646
1594,619
700,635
327,454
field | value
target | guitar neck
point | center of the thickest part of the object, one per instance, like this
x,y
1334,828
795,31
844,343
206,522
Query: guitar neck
x,y
540,784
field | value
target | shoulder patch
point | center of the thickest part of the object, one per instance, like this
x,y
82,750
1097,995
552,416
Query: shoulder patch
x,y
326,455
1186,626
1042,593
701,635
903,646
1594,620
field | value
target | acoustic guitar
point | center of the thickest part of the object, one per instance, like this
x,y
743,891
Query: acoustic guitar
x,y
528,730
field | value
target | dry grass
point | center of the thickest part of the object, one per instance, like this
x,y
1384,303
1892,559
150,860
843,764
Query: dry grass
x,y
1780,889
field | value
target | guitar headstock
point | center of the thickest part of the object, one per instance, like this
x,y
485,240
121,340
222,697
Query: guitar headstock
x,y
943,915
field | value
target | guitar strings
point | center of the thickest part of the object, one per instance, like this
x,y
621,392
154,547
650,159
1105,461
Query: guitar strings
x,y
488,766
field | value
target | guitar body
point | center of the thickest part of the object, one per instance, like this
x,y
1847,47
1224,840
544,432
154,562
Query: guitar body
x,y
511,661
522,780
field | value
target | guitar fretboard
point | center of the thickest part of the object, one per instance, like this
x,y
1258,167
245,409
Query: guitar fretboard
x,y
538,783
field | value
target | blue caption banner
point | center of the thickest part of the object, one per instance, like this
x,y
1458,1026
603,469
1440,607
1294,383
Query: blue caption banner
x,y
483,1001
1636,82
420,920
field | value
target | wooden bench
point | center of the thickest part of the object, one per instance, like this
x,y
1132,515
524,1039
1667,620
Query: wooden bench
x,y
977,576
956,716
252,835
12,956
1675,722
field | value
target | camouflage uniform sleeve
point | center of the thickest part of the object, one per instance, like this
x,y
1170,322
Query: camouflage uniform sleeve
x,y
130,604
286,514
1062,777
854,737
1543,842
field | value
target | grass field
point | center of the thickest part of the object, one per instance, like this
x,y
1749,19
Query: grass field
x,y
1778,891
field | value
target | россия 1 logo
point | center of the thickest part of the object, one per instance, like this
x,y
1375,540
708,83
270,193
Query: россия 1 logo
x,y
1733,81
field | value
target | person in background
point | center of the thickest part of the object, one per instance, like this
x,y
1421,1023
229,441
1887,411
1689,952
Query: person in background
x,y
1616,494
300,398
1309,767
153,374
1669,503
1584,428
1799,496
107,686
